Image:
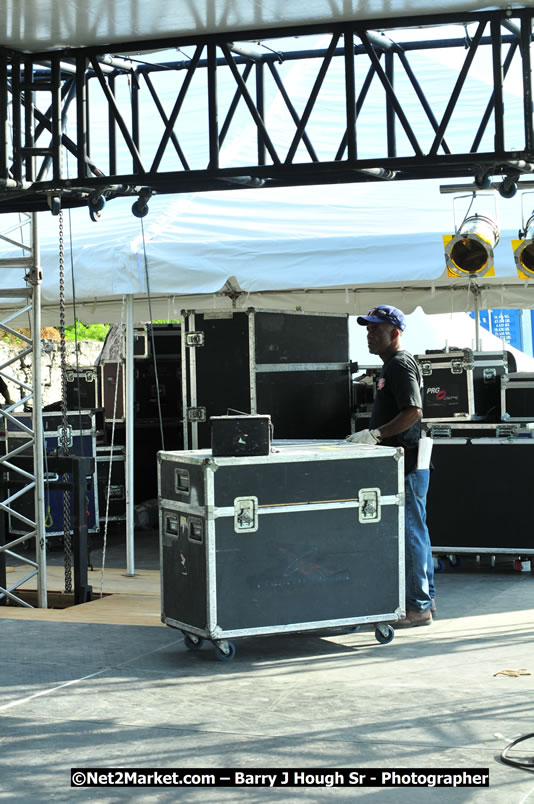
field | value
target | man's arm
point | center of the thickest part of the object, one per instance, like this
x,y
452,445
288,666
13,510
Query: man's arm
x,y
401,422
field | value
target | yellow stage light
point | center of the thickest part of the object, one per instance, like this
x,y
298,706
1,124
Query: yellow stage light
x,y
470,251
524,250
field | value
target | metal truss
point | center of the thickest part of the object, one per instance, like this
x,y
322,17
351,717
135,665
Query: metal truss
x,y
84,126
17,482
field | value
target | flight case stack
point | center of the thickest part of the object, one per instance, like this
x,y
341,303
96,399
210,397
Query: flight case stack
x,y
292,366
110,470
462,385
157,393
81,440
517,397
476,502
157,382
363,395
307,537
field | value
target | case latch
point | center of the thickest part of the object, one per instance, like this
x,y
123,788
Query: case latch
x,y
506,431
194,339
440,431
457,366
196,530
115,492
182,481
171,524
426,368
369,509
196,414
245,514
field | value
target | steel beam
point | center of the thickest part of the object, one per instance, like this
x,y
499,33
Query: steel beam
x,y
373,65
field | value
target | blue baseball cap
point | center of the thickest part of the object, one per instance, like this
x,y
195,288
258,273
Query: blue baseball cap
x,y
383,314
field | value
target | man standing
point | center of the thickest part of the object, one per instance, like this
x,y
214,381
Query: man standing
x,y
396,421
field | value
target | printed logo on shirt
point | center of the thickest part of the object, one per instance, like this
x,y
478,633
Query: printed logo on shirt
x,y
380,384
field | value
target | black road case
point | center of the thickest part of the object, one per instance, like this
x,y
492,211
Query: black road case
x,y
292,366
517,397
240,436
310,536
157,392
166,341
153,393
162,339
477,501
82,388
83,393
462,385
110,470
140,342
470,430
112,390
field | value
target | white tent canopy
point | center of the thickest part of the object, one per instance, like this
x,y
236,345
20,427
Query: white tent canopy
x,y
49,25
334,249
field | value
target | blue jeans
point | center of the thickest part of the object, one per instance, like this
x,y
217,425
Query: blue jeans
x,y
418,552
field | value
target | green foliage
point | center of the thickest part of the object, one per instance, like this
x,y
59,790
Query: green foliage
x,y
11,340
92,332
98,332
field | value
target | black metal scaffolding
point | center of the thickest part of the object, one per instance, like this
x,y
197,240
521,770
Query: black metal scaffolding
x,y
58,151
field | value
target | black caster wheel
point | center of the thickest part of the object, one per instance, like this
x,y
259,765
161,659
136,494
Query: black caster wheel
x,y
192,642
225,655
384,638
454,560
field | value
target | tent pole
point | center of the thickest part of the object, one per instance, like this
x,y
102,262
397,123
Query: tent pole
x,y
37,423
130,457
474,288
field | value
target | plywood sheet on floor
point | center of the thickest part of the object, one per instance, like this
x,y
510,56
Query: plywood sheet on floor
x,y
112,610
127,600
144,582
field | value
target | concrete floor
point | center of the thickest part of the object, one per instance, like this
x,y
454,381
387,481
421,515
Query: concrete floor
x,y
127,696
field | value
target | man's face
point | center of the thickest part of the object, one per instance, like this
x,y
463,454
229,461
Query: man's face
x,y
379,337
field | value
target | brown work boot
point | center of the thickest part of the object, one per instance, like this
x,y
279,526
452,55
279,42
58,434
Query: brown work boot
x,y
414,618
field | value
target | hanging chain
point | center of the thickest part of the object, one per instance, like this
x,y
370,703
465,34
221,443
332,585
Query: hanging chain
x,y
64,430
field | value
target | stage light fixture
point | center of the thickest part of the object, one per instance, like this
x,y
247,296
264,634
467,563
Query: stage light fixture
x,y
524,250
469,252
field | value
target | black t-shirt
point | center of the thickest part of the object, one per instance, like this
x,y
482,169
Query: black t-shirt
x,y
399,387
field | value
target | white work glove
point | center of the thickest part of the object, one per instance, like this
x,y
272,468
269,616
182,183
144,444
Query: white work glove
x,y
365,437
